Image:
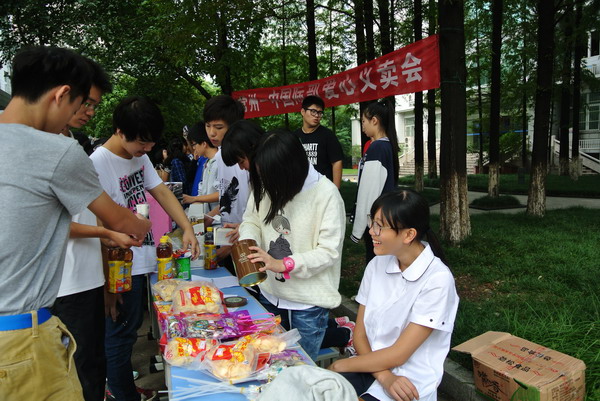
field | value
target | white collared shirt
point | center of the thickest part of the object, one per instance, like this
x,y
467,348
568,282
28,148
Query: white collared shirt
x,y
423,294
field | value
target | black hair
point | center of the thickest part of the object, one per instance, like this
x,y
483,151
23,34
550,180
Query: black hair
x,y
197,133
310,100
138,118
240,142
99,77
175,151
223,107
278,170
405,208
37,69
385,113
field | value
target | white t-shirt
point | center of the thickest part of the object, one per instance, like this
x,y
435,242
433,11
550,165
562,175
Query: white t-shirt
x,y
125,181
423,294
83,260
233,189
209,183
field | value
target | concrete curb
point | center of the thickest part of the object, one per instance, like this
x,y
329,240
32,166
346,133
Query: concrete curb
x,y
457,382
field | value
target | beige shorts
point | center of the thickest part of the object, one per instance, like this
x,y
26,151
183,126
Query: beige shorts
x,y
35,363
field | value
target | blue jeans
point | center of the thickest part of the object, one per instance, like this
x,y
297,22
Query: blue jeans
x,y
119,340
311,323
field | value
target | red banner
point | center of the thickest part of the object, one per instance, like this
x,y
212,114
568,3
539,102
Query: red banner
x,y
413,68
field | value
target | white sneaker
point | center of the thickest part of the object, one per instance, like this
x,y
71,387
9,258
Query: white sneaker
x,y
136,374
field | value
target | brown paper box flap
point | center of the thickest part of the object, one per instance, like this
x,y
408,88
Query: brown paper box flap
x,y
475,344
520,359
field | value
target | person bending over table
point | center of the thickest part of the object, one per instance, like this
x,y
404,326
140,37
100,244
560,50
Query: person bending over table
x,y
297,218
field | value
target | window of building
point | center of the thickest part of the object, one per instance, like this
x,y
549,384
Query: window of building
x,y
595,43
409,127
589,115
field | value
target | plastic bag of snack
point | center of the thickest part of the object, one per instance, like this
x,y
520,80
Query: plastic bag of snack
x,y
220,326
197,297
183,351
268,323
164,288
172,326
233,362
274,344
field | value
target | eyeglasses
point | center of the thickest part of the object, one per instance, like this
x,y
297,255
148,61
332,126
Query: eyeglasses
x,y
374,225
315,112
90,106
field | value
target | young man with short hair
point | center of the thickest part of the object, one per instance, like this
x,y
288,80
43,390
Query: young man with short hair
x,y
208,193
80,302
36,204
320,143
220,112
125,172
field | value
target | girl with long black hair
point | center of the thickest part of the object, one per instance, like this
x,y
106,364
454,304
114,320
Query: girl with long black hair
x,y
296,216
378,168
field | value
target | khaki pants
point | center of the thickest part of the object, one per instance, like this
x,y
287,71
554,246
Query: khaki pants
x,y
35,365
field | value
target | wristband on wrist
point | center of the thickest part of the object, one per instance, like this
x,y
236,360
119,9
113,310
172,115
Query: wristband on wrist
x,y
289,265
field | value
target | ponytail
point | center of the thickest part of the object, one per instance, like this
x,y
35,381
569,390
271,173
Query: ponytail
x,y
435,245
385,112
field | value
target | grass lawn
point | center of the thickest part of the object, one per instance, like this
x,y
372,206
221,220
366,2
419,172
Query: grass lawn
x,y
535,278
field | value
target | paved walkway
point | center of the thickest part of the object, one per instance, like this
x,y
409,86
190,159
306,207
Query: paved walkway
x,y
552,202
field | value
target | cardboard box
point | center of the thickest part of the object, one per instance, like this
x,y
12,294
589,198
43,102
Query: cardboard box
x,y
509,368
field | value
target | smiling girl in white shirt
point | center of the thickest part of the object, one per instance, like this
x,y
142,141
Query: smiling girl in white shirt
x,y
408,303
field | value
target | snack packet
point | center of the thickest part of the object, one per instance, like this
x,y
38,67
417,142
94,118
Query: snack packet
x,y
232,362
197,297
274,344
219,326
183,351
164,288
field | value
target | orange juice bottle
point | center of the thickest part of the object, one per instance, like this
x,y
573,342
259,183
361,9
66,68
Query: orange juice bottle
x,y
116,264
164,258
128,262
210,250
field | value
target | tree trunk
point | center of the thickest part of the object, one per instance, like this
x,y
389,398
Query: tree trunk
x,y
575,170
455,224
479,95
431,139
313,71
286,118
565,94
419,156
361,52
385,31
524,119
536,200
494,167
369,23
225,77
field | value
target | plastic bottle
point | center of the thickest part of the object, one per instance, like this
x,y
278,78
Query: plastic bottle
x,y
210,250
164,258
116,264
127,268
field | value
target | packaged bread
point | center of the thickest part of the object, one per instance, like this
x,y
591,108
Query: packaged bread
x,y
182,351
274,344
197,297
232,362
164,288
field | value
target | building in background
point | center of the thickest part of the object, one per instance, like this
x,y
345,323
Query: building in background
x,y
5,89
